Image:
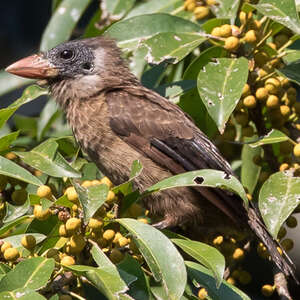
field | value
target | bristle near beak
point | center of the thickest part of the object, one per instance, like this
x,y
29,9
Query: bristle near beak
x,y
34,66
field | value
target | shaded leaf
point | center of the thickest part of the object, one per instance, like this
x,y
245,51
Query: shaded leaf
x,y
209,256
226,9
5,141
117,8
278,197
205,278
21,295
91,198
282,12
291,71
162,257
11,169
274,136
203,178
4,228
130,32
62,22
15,211
32,274
15,240
173,47
220,86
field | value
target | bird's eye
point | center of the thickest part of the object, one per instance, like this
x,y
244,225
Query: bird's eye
x,y
87,66
67,54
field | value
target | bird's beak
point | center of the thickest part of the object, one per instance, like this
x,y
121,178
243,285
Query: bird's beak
x,y
34,66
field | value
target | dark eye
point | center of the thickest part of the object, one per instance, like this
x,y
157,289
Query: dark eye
x,y
66,54
87,66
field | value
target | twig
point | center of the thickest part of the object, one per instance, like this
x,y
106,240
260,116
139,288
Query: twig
x,y
281,286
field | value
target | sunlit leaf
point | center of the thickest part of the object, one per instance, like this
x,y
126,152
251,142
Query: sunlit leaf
x,y
274,136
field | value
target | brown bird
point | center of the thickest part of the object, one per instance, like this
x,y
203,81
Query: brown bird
x,y
116,121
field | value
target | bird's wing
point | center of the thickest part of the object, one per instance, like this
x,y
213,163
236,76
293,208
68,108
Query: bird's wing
x,y
161,130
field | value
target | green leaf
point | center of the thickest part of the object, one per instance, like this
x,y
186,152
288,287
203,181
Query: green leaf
x,y
91,199
209,256
291,56
106,282
130,32
173,47
204,277
250,171
47,159
15,240
30,274
162,257
117,8
291,71
9,82
5,141
220,85
283,12
21,295
64,201
62,22
226,9
15,211
29,94
274,136
4,228
91,30
11,169
278,197
201,178
48,115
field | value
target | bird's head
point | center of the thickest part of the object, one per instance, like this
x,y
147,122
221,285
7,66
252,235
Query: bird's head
x,y
77,68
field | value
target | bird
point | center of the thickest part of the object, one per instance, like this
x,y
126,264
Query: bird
x,y
116,120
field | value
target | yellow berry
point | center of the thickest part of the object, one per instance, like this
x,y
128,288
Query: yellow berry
x,y
5,246
273,81
143,220
116,256
87,183
238,254
108,234
261,93
250,36
216,31
41,214
291,222
284,167
95,224
246,90
44,191
19,196
296,150
272,89
67,261
262,251
218,240
117,236
53,253
11,254
272,101
267,290
110,197
231,43
211,2
287,244
106,180
77,243
201,12
231,280
279,250
285,110
28,241
202,293
10,156
243,17
235,31
73,224
249,101
226,30
62,231
123,241
71,194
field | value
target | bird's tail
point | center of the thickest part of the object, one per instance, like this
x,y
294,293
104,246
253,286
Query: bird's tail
x,y
283,262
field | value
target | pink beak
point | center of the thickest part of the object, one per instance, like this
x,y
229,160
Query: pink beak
x,y
34,66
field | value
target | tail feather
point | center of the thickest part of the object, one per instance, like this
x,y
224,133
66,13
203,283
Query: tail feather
x,y
283,262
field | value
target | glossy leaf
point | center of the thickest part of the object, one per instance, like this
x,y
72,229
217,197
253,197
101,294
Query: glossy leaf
x,y
282,12
62,22
11,169
209,256
291,71
47,159
250,171
21,295
15,211
91,198
173,47
203,178
5,141
29,94
204,277
274,136
117,8
32,274
220,86
226,9
162,257
4,228
130,32
278,197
